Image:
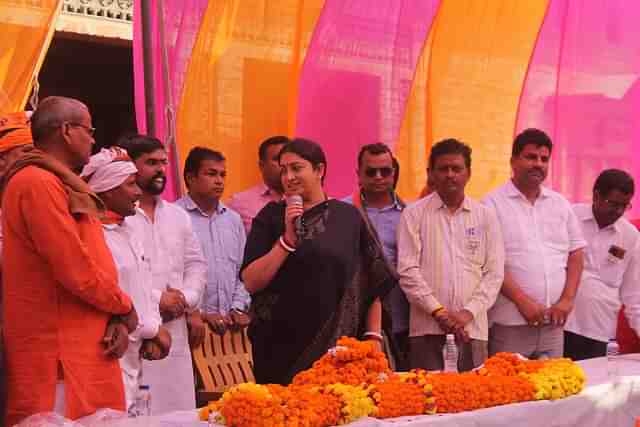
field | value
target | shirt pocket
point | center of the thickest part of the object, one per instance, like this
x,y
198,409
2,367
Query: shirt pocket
x,y
555,232
611,271
474,251
230,246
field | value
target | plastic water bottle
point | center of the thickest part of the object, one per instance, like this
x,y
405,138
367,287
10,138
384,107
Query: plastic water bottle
x,y
143,401
450,354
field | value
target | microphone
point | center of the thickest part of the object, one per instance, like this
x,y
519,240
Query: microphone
x,y
296,200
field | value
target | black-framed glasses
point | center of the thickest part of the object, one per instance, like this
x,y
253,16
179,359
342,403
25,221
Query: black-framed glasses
x,y
384,172
617,205
90,130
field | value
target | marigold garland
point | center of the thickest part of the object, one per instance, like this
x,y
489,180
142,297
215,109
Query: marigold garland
x,y
556,379
350,362
399,398
355,401
353,380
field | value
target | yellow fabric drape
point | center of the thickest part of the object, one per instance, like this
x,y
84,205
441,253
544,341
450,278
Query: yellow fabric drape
x,y
242,80
26,28
413,145
479,58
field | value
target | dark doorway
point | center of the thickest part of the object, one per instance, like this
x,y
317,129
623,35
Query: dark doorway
x,y
98,72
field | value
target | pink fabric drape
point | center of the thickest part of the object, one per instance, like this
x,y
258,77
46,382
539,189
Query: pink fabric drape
x,y
583,89
182,20
357,76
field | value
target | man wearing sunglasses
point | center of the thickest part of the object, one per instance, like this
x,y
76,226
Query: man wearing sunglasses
x,y
611,268
378,174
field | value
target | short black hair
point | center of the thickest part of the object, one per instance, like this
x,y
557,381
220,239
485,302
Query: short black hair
x,y
137,145
274,140
309,150
614,179
531,136
195,158
374,149
450,146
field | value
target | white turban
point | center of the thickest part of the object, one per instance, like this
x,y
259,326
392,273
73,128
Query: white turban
x,y
108,169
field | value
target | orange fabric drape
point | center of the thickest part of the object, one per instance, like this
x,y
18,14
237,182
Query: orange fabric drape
x,y
413,146
26,28
479,58
241,83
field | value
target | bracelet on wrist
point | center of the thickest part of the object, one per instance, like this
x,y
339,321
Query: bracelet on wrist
x,y
373,335
285,245
437,310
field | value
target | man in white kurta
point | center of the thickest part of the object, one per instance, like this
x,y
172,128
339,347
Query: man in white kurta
x,y
112,175
179,273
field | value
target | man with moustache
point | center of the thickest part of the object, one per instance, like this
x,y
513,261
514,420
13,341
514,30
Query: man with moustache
x,y
451,263
250,202
179,273
544,255
112,175
221,236
60,284
378,173
611,275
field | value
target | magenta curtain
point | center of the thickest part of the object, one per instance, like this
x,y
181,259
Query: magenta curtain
x,y
182,20
357,76
583,88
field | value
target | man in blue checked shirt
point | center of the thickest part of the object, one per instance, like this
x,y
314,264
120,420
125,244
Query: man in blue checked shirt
x,y
222,236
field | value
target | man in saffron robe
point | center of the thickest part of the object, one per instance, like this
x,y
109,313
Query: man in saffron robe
x,y
15,135
66,319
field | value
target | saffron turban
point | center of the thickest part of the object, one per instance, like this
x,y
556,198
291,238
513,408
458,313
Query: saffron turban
x,y
108,169
15,130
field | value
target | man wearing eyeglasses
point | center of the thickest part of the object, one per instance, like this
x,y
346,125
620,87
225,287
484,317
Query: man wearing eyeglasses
x,y
60,283
378,173
611,273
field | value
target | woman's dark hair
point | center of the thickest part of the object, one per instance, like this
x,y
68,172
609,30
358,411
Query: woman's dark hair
x,y
531,136
308,150
195,158
614,179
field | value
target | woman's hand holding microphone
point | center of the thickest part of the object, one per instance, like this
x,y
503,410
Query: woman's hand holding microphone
x,y
293,211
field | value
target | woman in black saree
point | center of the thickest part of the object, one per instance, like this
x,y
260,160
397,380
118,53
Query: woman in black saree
x,y
311,285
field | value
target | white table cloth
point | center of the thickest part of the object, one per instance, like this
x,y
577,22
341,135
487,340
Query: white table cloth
x,y
606,401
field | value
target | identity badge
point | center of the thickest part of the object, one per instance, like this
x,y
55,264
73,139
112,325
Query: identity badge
x,y
472,240
616,253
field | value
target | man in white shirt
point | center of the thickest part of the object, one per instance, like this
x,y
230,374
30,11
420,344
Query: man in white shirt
x,y
112,175
611,270
179,273
451,263
544,257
